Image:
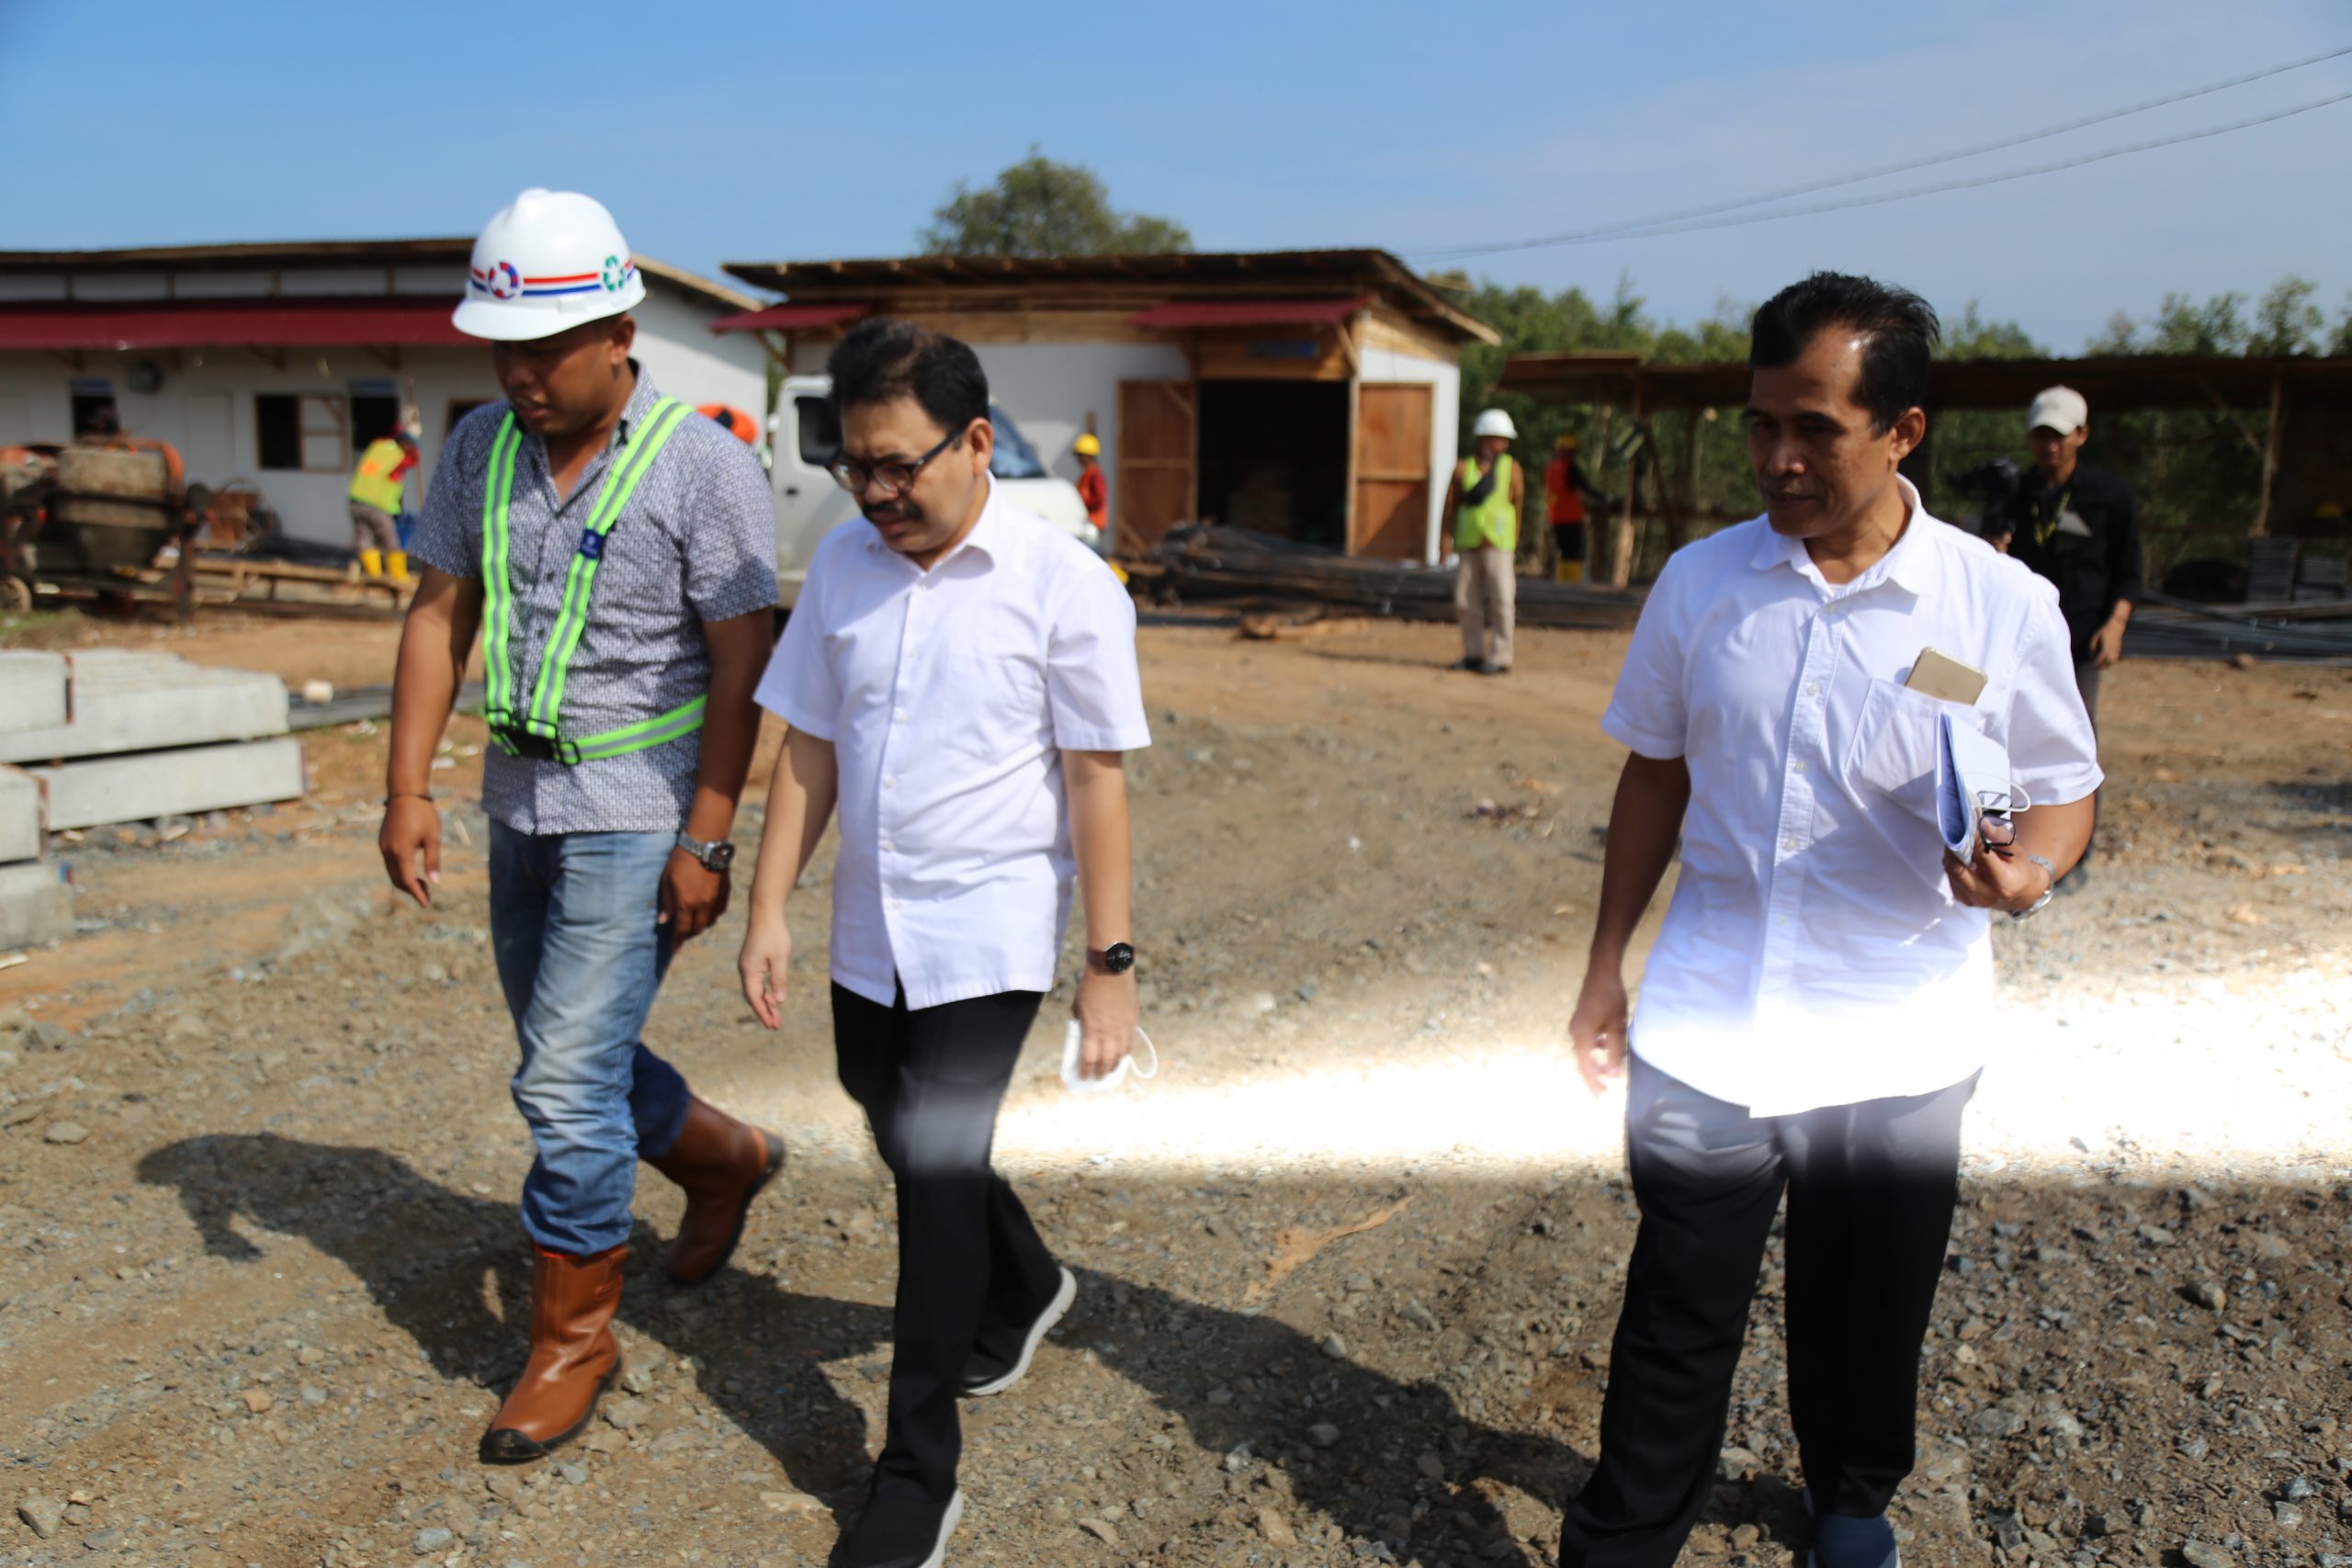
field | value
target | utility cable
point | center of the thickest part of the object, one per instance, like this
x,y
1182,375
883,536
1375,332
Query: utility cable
x,y
1634,225
1662,227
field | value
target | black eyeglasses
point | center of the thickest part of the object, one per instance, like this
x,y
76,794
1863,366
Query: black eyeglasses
x,y
896,479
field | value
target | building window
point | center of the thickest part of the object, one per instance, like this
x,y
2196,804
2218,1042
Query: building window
x,y
461,407
375,412
94,409
308,433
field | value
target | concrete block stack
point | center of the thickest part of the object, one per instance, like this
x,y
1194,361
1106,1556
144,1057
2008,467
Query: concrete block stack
x,y
116,735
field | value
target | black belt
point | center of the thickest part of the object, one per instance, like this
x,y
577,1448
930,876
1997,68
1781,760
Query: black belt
x,y
522,743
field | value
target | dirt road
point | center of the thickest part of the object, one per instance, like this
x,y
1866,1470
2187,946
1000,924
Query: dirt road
x,y
1348,1268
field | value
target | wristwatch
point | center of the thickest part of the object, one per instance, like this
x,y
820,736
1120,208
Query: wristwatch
x,y
714,857
1115,959
2047,893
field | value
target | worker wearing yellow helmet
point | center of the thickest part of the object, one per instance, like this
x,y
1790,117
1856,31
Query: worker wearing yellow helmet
x,y
616,552
1092,488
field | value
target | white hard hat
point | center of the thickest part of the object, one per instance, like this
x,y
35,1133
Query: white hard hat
x,y
2061,409
551,260
1494,422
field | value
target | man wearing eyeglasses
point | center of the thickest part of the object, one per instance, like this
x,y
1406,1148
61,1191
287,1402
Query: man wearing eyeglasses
x,y
959,678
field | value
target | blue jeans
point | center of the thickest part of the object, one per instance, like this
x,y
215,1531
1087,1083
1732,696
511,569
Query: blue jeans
x,y
572,921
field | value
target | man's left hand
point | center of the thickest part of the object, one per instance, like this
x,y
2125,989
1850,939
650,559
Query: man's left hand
x,y
1108,1011
1989,881
693,895
2106,644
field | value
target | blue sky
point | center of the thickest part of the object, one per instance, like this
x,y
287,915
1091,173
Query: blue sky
x,y
799,131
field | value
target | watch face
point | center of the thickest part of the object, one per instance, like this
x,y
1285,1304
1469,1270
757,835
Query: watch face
x,y
721,857
1118,958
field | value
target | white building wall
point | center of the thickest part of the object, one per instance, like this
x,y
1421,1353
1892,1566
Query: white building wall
x,y
689,361
205,405
1445,416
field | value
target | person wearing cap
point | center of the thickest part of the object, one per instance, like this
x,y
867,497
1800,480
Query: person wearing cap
x,y
616,552
1564,490
960,686
1092,488
2078,527
1482,506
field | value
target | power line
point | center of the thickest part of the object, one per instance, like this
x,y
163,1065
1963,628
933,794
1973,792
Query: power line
x,y
1633,226
1666,226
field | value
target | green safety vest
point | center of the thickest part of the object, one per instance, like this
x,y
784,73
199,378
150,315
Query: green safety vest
x,y
539,719
1494,520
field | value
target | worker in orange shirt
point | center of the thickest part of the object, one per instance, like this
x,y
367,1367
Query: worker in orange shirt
x,y
1092,488
1565,489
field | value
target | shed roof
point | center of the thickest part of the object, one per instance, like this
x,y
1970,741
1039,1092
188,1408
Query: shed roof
x,y
2111,381
1142,279
319,255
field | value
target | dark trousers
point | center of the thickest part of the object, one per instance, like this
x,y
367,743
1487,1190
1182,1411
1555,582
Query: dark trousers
x,y
970,1262
1870,1189
2087,675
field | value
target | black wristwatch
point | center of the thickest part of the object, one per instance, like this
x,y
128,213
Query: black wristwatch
x,y
714,857
1115,959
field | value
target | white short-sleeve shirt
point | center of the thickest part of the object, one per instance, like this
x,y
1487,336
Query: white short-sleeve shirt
x,y
949,697
1813,953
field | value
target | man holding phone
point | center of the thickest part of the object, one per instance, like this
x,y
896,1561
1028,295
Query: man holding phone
x,y
959,678
1813,1012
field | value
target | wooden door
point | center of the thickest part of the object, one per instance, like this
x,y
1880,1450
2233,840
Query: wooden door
x,y
1392,510
1153,489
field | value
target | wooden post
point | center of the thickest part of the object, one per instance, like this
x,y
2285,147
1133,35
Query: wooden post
x,y
2270,454
1621,556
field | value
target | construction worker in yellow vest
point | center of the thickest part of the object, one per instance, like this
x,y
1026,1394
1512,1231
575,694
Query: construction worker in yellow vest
x,y
376,488
1482,507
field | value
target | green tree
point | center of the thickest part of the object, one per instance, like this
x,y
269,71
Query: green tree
x,y
1040,208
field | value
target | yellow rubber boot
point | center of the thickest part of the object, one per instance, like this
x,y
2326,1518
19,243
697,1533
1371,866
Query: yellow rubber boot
x,y
1568,571
372,562
396,565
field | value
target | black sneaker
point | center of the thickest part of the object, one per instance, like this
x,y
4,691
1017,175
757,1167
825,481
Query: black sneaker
x,y
988,1373
901,1532
1476,666
1490,668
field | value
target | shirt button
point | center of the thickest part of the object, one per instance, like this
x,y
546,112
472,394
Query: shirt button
x,y
891,781
1780,922
897,903
1813,688
1797,767
891,845
899,717
1790,845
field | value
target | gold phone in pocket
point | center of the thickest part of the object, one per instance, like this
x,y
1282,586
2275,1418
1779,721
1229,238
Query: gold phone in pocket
x,y
1941,676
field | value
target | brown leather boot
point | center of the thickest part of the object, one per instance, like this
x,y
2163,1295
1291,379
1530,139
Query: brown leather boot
x,y
722,1163
574,1357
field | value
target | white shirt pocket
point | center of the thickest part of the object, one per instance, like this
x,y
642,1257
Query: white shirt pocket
x,y
998,704
1893,751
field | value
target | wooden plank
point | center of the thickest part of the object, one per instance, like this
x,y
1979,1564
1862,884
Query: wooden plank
x,y
169,784
1273,353
1155,486
1392,468
1383,328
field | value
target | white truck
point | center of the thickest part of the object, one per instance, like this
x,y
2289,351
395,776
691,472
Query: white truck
x,y
809,504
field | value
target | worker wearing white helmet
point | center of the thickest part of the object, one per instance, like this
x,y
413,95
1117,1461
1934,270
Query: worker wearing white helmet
x,y
1482,507
617,551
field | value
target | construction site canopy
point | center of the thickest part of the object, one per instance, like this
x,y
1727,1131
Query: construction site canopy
x,y
2111,382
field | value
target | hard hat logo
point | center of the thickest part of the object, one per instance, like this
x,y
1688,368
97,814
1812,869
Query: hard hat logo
x,y
550,261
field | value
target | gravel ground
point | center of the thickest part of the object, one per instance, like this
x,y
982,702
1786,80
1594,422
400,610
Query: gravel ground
x,y
1347,1269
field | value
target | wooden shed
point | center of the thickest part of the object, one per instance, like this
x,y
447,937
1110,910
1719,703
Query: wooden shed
x,y
1309,394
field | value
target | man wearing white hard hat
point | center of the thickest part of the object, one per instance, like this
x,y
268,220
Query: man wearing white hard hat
x,y
616,552
2078,527
1482,507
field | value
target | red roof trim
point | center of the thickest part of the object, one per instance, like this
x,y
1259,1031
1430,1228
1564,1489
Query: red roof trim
x,y
230,323
784,318
1276,312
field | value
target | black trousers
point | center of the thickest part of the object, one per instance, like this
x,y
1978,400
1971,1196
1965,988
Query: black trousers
x,y
970,1262
1870,1189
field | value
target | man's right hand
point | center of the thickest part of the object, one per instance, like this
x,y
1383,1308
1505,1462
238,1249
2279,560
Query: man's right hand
x,y
765,965
1597,1028
410,841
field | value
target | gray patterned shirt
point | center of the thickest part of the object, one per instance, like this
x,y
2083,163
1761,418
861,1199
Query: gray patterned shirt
x,y
695,543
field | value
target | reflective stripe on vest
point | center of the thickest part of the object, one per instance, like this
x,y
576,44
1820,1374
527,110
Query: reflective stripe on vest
x,y
541,718
1494,520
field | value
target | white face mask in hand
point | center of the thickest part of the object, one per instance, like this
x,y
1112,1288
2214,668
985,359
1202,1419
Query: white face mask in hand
x,y
1073,1051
